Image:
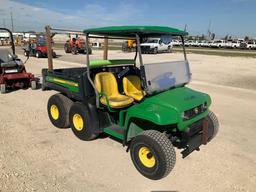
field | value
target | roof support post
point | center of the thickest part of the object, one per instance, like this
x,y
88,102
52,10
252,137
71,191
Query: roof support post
x,y
183,47
49,47
142,69
105,53
139,49
88,70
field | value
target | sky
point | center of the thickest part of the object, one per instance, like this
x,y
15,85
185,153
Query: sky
x,y
227,17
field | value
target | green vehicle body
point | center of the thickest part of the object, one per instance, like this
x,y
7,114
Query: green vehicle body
x,y
162,111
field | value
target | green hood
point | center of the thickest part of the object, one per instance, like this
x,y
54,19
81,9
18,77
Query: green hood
x,y
179,99
166,108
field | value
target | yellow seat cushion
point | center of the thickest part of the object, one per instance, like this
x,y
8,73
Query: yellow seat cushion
x,y
132,87
105,83
118,101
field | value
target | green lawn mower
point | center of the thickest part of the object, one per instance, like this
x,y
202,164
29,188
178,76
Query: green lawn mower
x,y
147,107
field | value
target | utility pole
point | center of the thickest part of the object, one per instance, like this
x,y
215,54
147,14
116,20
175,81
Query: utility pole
x,y
12,20
209,29
185,28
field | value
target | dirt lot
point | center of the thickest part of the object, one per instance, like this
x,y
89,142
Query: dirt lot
x,y
35,156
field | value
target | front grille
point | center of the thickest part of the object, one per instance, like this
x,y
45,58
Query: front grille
x,y
145,49
196,127
191,113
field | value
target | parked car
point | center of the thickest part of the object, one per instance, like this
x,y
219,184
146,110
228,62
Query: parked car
x,y
156,45
176,42
189,43
218,44
203,43
234,43
251,44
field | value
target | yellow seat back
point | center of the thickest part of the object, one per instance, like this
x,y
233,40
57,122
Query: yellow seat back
x,y
105,82
132,87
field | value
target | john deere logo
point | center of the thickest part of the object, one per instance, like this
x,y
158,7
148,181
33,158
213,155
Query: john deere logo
x,y
196,110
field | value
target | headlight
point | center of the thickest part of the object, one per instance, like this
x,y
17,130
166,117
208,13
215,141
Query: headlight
x,y
191,113
184,116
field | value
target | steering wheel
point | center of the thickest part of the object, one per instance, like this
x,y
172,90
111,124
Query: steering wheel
x,y
123,72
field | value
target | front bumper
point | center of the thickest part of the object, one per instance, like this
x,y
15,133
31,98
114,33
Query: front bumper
x,y
147,49
194,137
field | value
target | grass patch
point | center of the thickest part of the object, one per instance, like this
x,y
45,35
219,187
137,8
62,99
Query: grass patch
x,y
219,52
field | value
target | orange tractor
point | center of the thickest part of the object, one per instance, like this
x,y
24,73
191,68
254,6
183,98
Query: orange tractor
x,y
75,45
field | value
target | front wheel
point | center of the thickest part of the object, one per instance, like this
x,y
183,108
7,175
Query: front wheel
x,y
38,54
169,50
153,154
155,50
25,53
213,125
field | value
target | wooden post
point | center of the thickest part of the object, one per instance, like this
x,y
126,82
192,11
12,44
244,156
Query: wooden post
x,y
49,46
105,53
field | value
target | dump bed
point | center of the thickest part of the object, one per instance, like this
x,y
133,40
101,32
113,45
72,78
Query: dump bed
x,y
72,82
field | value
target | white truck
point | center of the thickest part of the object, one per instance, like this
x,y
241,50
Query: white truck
x,y
251,45
234,43
218,44
156,45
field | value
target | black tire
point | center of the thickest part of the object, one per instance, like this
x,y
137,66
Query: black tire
x,y
33,85
54,54
38,54
160,148
169,50
155,51
90,51
25,53
74,50
213,125
3,88
87,126
67,48
61,105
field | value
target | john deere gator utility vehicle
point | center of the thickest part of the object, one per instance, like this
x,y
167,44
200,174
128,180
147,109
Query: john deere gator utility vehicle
x,y
146,106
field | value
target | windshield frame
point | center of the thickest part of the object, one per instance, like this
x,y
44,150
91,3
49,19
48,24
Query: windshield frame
x,y
138,53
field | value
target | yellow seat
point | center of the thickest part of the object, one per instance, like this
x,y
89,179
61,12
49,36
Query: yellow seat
x,y
132,87
106,85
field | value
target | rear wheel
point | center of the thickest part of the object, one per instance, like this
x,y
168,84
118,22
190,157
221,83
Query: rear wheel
x,y
83,122
58,110
153,154
74,50
3,88
33,85
213,125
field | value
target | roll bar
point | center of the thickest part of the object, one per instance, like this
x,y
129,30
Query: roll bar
x,y
11,36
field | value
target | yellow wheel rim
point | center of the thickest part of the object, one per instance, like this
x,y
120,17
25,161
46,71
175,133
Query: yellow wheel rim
x,y
54,112
78,122
146,157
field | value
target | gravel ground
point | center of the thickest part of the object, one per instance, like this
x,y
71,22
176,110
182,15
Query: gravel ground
x,y
35,156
